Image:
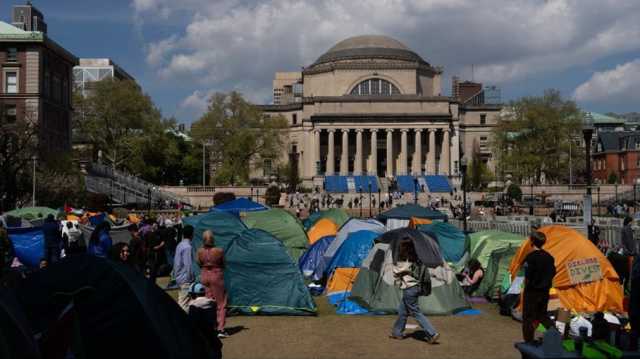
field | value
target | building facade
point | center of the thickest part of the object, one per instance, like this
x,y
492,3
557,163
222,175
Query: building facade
x,y
617,156
36,79
370,106
90,71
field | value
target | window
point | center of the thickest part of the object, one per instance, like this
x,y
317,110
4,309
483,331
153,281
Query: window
x,y
267,167
11,82
638,163
483,119
483,138
294,118
12,54
10,113
375,87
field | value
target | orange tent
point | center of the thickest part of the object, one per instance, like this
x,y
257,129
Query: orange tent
x,y
342,280
415,222
322,228
585,280
133,218
72,217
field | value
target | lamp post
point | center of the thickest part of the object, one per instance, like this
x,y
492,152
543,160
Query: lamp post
x,y
33,193
370,200
204,166
531,199
415,190
598,201
251,196
379,198
463,170
360,199
588,132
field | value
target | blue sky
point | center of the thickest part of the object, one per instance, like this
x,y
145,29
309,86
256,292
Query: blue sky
x,y
182,51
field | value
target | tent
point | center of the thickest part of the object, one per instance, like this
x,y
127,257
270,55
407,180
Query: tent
x,y
28,244
282,225
414,222
597,291
238,205
107,310
374,287
451,240
311,263
352,225
337,215
118,233
30,213
14,222
494,250
400,216
324,227
261,278
353,250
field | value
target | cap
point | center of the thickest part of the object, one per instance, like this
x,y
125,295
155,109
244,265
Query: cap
x,y
196,288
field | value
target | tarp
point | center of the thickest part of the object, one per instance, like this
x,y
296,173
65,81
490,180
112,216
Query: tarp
x,y
353,250
414,222
323,228
33,212
569,248
238,205
282,225
14,222
450,239
353,225
312,263
117,310
408,211
494,250
28,244
337,215
261,278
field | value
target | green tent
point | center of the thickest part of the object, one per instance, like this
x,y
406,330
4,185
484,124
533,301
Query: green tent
x,y
494,250
338,215
261,278
282,225
30,213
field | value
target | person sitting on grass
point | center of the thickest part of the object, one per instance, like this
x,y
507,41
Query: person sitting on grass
x,y
472,277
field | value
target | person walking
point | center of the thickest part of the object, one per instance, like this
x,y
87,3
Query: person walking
x,y
100,242
211,262
402,271
182,267
539,270
52,239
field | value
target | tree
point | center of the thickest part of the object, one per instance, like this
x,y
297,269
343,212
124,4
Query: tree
x,y
238,135
613,178
115,115
533,137
514,192
478,173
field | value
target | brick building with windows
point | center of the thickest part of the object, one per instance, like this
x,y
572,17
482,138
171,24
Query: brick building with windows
x,y
617,153
36,79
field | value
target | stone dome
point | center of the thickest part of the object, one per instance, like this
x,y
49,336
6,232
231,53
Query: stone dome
x,y
369,47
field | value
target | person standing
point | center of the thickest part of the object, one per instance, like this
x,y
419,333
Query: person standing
x,y
100,242
402,271
6,249
629,249
539,270
211,262
182,267
52,239
136,248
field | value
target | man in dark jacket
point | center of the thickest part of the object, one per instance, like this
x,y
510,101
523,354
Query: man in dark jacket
x,y
539,270
629,250
52,239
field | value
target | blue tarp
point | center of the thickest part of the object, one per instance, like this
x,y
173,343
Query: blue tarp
x,y
344,305
362,183
28,244
353,251
97,219
406,184
451,240
311,262
438,184
239,205
336,184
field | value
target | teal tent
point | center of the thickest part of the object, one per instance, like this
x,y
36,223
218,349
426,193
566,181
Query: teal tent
x,y
400,216
337,215
261,278
282,225
451,240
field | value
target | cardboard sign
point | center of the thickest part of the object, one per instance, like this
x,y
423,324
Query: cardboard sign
x,y
584,270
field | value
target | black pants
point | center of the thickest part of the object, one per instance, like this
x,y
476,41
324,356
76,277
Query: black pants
x,y
534,310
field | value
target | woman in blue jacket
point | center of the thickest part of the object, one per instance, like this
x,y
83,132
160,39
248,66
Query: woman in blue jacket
x,y
100,242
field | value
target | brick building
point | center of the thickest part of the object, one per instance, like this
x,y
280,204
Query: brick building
x,y
617,153
36,79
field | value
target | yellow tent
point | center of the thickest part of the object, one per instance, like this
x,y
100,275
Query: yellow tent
x,y
72,217
342,280
585,280
322,228
415,222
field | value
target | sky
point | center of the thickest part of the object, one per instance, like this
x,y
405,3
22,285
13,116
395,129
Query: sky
x,y
183,51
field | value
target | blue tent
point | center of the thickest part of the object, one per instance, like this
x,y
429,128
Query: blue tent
x,y
28,244
451,240
239,205
353,251
310,263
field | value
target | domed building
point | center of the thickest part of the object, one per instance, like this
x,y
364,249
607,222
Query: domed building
x,y
370,110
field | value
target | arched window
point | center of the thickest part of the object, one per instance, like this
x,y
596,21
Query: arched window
x,y
375,87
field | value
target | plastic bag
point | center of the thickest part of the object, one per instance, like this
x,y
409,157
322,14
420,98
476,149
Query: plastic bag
x,y
576,323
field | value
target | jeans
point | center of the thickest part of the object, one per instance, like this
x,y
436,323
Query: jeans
x,y
534,310
409,307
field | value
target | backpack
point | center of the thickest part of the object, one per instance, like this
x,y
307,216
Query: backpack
x,y
420,272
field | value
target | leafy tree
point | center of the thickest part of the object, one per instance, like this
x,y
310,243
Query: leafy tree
x,y
613,178
514,192
532,139
478,173
238,135
272,196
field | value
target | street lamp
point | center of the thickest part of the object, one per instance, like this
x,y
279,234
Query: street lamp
x,y
360,200
415,190
531,200
33,193
370,200
379,198
588,133
463,170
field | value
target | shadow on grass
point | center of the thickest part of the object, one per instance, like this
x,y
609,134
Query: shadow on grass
x,y
419,335
236,329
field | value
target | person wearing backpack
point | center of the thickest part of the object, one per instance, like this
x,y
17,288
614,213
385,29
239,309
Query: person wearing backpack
x,y
413,279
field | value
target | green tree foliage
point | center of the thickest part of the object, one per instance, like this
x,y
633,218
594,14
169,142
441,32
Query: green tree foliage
x,y
514,192
272,196
478,174
533,138
613,178
238,134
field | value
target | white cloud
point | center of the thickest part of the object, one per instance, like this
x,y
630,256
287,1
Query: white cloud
x,y
197,101
239,44
612,86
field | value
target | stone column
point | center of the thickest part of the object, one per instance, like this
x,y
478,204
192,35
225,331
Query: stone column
x,y
403,153
445,161
317,153
373,169
331,170
417,155
431,155
389,152
344,159
357,165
